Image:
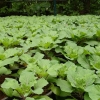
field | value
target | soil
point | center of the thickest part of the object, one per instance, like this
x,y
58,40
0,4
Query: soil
x,y
2,78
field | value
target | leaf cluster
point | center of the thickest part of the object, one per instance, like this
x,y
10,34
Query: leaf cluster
x,y
47,55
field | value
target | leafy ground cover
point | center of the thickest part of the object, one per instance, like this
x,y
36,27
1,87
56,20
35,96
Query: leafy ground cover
x,y
50,57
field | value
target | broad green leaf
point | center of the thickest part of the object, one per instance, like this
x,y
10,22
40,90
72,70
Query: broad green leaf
x,y
40,83
53,34
97,81
45,97
97,50
54,69
27,58
92,43
89,50
83,61
52,72
86,97
28,78
39,70
44,64
11,52
93,92
15,93
38,91
9,61
72,48
8,42
29,98
1,49
24,90
98,33
58,50
80,78
95,61
72,51
42,99
2,56
46,42
64,85
63,34
38,56
8,92
57,91
10,83
4,70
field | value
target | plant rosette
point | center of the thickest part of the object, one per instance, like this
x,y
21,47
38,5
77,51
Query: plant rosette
x,y
28,86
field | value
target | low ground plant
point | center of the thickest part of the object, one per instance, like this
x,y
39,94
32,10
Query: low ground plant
x,y
50,57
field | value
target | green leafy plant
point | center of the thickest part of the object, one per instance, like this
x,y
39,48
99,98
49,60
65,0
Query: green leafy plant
x,y
50,58
28,86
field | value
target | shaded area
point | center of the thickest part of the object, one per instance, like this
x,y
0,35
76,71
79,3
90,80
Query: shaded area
x,y
46,7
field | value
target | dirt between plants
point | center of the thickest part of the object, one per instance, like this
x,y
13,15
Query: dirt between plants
x,y
2,95
2,78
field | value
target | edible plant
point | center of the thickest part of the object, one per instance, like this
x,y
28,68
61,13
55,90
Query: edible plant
x,y
50,57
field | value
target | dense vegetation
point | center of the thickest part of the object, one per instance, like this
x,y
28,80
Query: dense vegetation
x,y
50,58
46,7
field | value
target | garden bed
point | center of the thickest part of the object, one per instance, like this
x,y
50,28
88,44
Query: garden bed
x,y
50,57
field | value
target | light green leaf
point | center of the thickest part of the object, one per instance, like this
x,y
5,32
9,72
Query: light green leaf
x,y
10,83
95,61
9,61
57,91
26,58
42,99
46,97
29,98
24,90
89,50
86,97
4,70
38,56
40,83
80,78
53,70
28,78
1,49
63,34
83,61
38,91
93,91
2,56
92,43
8,92
11,52
97,50
64,85
46,42
71,50
58,50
